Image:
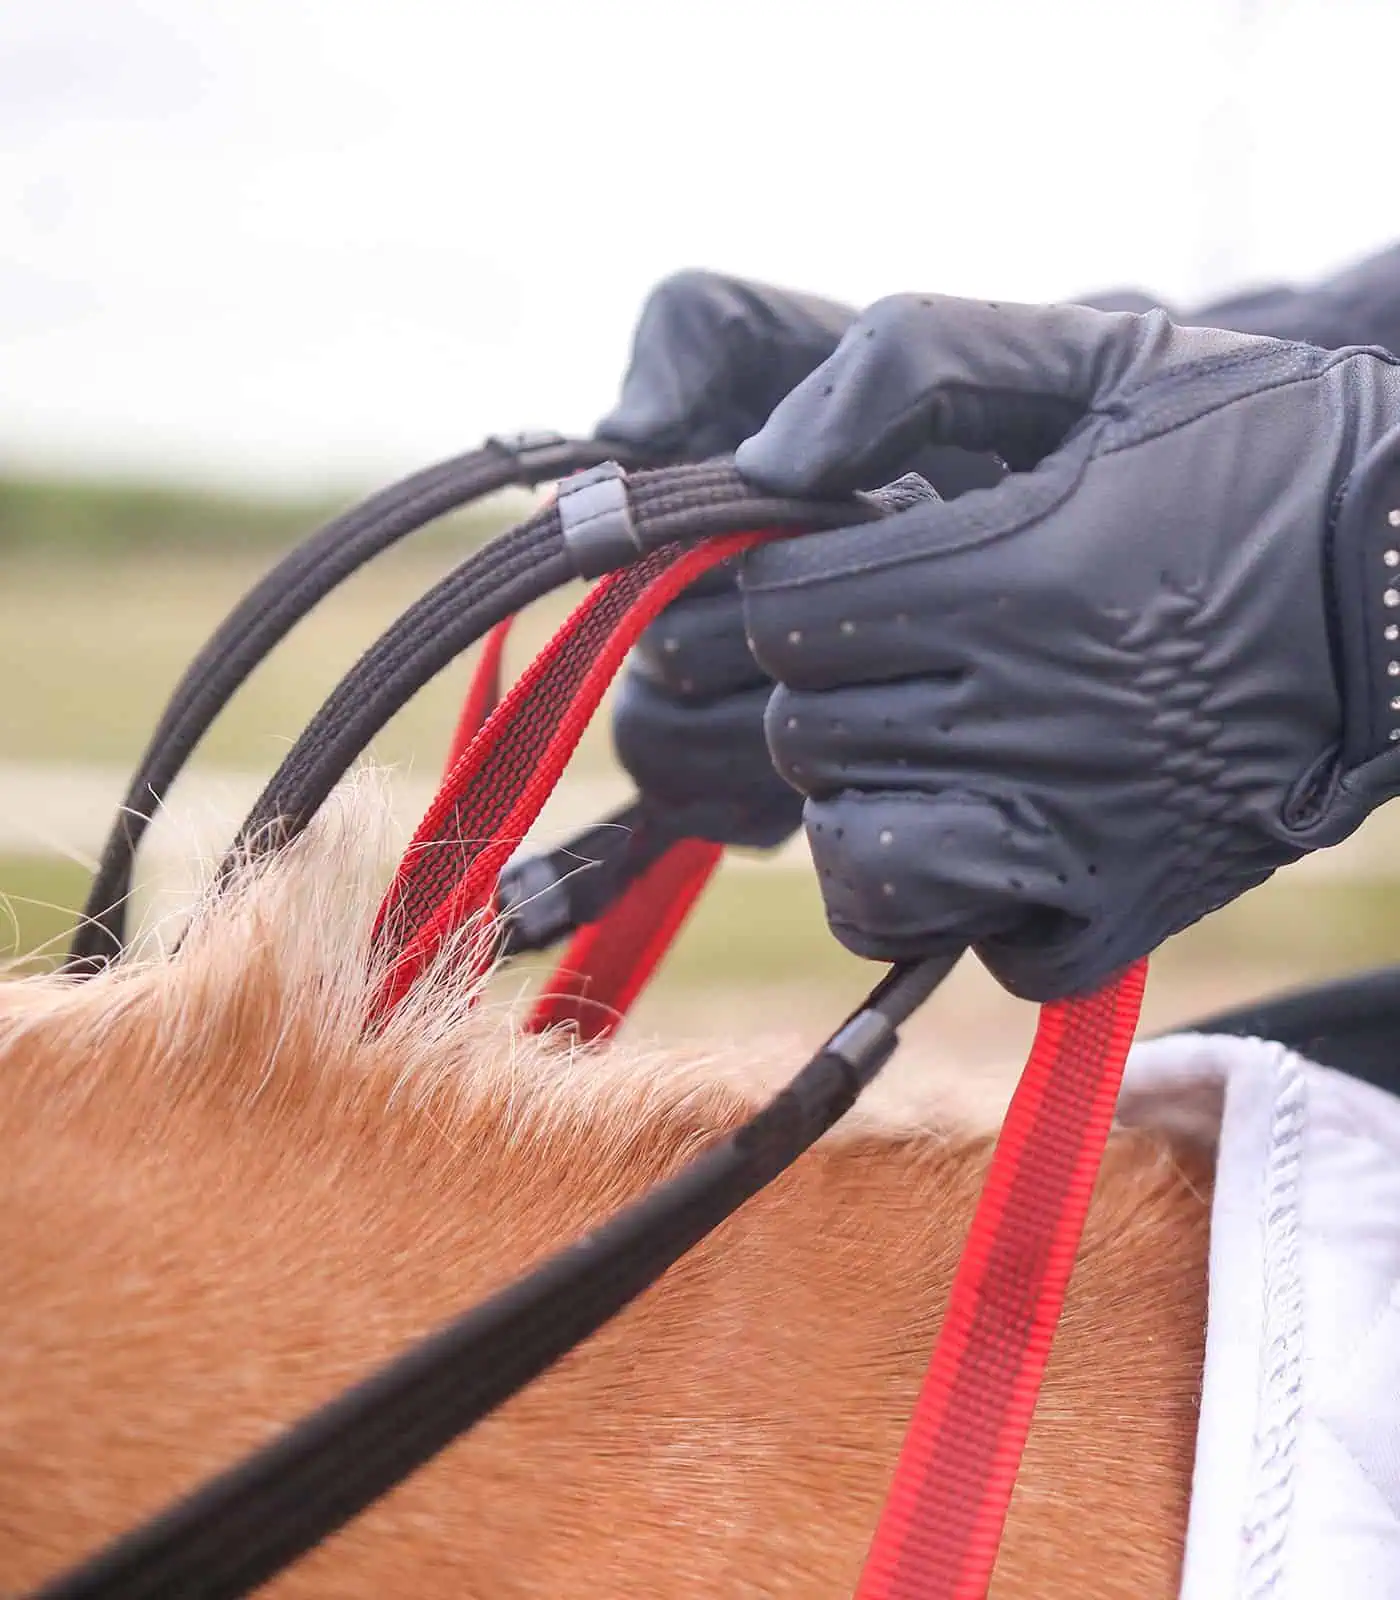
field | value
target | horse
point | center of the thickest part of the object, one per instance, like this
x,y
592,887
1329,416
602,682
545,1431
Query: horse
x,y
223,1199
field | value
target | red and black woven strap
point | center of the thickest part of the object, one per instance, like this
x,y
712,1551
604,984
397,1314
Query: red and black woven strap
x,y
447,880
609,960
483,694
941,1526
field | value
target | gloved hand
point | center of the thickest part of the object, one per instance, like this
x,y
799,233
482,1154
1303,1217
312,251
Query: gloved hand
x,y
711,357
1063,718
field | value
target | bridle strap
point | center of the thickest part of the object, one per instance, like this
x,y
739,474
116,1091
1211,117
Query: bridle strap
x,y
942,1523
941,1527
611,957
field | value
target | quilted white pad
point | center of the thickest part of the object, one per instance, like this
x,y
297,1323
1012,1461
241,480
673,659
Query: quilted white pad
x,y
1296,1492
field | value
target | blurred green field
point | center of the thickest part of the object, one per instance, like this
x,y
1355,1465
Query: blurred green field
x,y
89,652
39,896
95,630
98,519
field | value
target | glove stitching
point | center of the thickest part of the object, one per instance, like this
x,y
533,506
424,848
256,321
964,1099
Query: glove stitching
x,y
1112,436
1145,428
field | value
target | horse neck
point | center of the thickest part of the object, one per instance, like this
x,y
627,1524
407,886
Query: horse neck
x,y
218,1213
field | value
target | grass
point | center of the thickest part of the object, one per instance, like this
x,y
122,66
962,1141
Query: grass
x,y
91,653
96,518
101,519
39,896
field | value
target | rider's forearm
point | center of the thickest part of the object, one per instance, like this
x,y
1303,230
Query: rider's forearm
x,y
1357,306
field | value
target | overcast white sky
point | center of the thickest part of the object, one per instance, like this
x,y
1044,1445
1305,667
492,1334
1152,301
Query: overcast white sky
x,y
312,241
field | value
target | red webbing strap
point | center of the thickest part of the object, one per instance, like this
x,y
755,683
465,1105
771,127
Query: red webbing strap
x,y
941,1526
483,695
610,961
498,786
484,691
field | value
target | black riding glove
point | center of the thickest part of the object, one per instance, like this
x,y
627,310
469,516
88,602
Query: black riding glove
x,y
711,357
1060,719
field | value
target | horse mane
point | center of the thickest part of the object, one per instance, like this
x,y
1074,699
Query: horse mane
x,y
265,995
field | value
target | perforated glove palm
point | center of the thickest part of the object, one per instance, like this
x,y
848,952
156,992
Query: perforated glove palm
x,y
711,357
1062,718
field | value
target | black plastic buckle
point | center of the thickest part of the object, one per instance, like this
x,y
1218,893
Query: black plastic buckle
x,y
533,898
542,899
534,451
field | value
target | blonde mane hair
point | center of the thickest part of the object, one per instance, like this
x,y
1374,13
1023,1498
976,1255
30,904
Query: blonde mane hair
x,y
223,1199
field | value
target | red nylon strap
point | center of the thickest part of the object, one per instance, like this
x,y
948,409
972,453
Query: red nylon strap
x,y
499,784
941,1526
484,691
609,962
483,695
